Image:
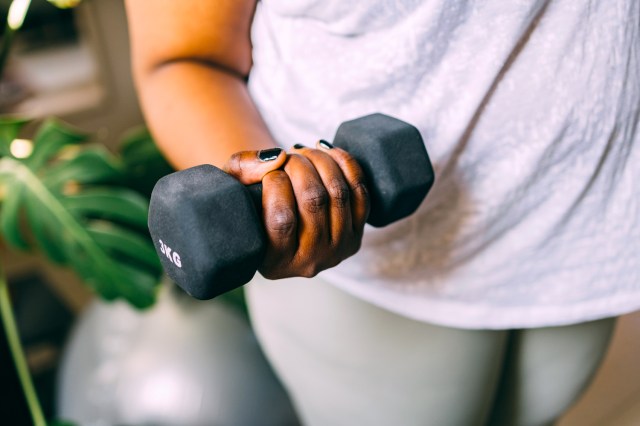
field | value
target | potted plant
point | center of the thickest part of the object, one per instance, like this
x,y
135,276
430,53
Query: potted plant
x,y
73,203
77,204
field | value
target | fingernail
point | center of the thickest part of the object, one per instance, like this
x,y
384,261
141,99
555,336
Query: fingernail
x,y
269,154
325,144
299,146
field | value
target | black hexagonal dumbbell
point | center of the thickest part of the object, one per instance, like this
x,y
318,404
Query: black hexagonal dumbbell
x,y
206,226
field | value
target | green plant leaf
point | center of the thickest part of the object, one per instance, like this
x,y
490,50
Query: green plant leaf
x,y
50,139
143,162
52,244
123,244
134,139
138,287
117,204
10,214
9,130
99,231
90,166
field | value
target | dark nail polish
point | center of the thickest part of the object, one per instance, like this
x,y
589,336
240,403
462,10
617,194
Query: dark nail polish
x,y
325,144
299,146
269,154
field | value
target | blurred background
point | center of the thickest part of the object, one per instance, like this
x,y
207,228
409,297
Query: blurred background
x,y
97,363
72,64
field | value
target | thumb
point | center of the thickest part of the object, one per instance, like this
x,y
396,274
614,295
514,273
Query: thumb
x,y
249,167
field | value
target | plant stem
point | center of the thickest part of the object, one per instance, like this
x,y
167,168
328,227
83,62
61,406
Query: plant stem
x,y
10,329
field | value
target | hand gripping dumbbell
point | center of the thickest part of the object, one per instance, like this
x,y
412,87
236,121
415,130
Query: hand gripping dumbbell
x,y
206,226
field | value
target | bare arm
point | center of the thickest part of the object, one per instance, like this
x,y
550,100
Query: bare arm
x,y
190,61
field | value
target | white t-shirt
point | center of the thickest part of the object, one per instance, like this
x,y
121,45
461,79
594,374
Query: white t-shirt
x,y
530,113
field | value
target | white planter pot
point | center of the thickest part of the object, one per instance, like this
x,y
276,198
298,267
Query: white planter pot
x,y
183,362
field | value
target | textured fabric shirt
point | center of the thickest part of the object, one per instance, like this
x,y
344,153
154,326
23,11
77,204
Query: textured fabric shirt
x,y
529,110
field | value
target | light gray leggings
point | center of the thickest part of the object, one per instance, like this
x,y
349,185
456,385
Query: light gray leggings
x,y
346,362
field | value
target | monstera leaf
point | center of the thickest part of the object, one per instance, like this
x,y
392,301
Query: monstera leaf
x,y
70,201
144,164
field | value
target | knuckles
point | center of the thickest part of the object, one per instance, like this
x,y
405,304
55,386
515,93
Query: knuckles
x,y
361,189
277,178
309,272
272,274
282,222
339,192
313,269
314,199
308,266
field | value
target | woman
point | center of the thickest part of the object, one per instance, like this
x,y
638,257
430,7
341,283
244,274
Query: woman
x,y
495,302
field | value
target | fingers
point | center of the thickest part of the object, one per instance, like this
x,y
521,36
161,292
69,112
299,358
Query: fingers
x,y
355,179
333,180
280,218
313,203
314,210
250,167
296,217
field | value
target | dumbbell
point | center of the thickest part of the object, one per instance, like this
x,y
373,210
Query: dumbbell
x,y
206,225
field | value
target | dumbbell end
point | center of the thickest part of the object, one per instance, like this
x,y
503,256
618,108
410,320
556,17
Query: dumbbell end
x,y
395,162
205,230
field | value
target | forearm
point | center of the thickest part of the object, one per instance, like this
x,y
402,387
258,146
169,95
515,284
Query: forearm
x,y
199,113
